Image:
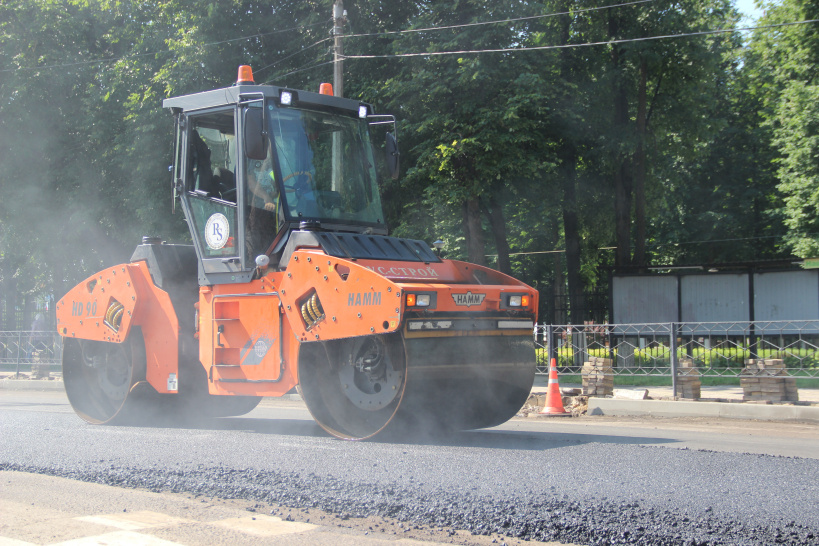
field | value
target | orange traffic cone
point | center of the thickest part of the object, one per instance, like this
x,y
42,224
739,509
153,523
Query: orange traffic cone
x,y
554,401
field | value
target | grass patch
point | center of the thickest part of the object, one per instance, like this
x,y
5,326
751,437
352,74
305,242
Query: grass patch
x,y
642,380
571,378
665,381
658,356
718,381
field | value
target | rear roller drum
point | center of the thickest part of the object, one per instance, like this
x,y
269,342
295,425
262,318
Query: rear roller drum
x,y
105,382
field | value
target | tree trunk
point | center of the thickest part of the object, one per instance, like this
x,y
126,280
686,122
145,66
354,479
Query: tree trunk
x,y
559,315
640,171
622,217
622,175
568,171
472,231
498,223
571,232
11,298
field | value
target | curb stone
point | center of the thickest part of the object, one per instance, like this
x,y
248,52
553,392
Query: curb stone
x,y
31,384
679,408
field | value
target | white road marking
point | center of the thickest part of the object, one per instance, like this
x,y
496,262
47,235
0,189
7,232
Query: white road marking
x,y
118,538
132,521
264,526
12,542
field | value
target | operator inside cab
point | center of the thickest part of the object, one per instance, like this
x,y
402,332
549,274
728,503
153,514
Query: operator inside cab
x,y
265,212
306,165
295,156
269,210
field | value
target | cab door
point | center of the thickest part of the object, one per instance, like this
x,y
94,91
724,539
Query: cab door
x,y
211,199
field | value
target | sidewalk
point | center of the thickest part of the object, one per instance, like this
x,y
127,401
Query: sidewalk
x,y
718,401
7,382
722,393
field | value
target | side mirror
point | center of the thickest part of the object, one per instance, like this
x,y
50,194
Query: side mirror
x,y
392,155
254,137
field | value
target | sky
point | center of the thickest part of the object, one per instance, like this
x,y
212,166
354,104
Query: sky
x,y
748,8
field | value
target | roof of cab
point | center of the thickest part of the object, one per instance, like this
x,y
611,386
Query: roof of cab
x,y
232,95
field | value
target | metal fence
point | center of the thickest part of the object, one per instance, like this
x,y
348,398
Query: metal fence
x,y
27,351
716,349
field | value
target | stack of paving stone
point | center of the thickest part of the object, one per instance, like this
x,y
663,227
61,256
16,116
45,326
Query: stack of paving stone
x,y
41,371
598,377
766,380
688,380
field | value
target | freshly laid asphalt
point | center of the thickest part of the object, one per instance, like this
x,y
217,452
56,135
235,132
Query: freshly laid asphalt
x,y
579,487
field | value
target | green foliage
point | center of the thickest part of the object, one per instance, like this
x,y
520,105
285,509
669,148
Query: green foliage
x,y
729,136
783,62
84,141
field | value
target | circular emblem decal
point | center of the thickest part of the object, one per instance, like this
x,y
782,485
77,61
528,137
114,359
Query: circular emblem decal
x,y
217,231
260,348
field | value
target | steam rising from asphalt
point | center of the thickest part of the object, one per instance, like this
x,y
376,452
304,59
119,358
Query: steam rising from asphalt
x,y
71,199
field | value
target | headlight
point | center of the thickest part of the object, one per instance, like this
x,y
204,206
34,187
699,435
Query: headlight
x,y
418,300
519,300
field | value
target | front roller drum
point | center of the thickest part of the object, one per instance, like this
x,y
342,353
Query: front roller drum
x,y
467,382
353,387
356,388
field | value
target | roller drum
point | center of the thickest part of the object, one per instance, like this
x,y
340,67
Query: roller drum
x,y
105,382
356,388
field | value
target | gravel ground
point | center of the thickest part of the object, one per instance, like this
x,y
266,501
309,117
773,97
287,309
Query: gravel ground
x,y
540,517
520,486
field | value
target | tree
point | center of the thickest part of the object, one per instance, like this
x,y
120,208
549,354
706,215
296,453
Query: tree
x,y
84,141
637,143
784,62
663,97
470,119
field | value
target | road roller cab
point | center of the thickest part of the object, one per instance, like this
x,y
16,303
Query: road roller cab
x,y
293,281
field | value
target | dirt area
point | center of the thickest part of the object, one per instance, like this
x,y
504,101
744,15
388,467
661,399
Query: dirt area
x,y
43,509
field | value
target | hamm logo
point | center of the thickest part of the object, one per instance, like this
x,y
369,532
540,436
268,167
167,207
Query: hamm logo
x,y
469,299
355,299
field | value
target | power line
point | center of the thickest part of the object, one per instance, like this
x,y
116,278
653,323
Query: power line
x,y
733,240
562,251
302,50
660,245
514,20
570,46
303,69
259,35
164,52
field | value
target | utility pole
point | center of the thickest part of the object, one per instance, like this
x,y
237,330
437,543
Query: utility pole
x,y
339,18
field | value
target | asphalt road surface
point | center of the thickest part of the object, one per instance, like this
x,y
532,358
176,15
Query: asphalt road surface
x,y
591,480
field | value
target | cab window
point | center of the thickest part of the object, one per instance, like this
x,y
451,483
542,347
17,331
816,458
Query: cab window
x,y
212,183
